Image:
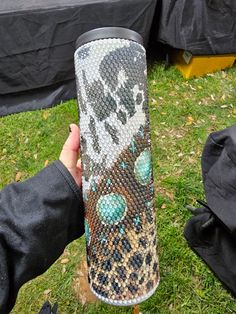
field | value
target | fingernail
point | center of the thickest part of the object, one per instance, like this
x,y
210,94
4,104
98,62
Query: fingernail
x,y
69,129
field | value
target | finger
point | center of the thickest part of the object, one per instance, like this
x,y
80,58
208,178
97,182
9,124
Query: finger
x,y
79,165
79,176
70,151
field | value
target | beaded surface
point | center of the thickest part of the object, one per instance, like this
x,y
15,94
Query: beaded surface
x,y
120,220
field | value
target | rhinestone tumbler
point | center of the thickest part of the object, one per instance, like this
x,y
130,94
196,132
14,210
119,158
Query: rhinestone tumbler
x,y
118,193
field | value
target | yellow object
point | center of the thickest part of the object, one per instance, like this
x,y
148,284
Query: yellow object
x,y
190,65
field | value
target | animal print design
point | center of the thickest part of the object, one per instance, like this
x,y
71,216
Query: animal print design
x,y
120,219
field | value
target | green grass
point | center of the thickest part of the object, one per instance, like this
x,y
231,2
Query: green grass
x,y
182,113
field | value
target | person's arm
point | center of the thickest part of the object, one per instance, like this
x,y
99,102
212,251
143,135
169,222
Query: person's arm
x,y
38,218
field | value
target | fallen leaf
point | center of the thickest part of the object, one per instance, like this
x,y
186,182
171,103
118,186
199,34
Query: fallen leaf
x,y
192,88
35,156
18,176
223,74
47,291
163,206
63,269
212,117
171,306
46,163
153,101
189,120
46,115
170,195
81,285
136,309
234,111
65,261
66,253
224,106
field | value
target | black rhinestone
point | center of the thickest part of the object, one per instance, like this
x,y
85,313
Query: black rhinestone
x,y
121,272
149,217
132,288
95,288
143,242
105,251
148,259
138,228
94,259
88,279
155,266
133,276
126,245
116,287
107,265
92,273
103,279
149,285
116,241
117,256
136,260
141,280
104,294
99,290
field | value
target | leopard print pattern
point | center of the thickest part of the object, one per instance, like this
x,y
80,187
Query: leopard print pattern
x,y
120,220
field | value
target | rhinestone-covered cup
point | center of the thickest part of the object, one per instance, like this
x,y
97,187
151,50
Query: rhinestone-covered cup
x,y
120,220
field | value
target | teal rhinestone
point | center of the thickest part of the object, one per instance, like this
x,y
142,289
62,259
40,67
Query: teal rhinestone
x,y
87,231
133,147
143,167
111,208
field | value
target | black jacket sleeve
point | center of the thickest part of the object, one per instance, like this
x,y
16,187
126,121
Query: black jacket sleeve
x,y
38,218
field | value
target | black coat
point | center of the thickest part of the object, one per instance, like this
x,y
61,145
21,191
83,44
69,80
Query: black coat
x,y
38,218
215,242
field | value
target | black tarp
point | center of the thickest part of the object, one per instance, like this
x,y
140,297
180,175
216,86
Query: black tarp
x,y
203,27
211,233
37,41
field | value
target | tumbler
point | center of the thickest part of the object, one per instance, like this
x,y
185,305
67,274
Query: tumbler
x,y
117,181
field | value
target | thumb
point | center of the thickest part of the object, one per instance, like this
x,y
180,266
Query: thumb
x,y
70,150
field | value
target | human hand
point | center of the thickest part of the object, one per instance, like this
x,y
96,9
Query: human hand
x,y
70,153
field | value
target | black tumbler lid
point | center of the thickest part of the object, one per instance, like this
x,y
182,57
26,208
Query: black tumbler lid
x,y
108,32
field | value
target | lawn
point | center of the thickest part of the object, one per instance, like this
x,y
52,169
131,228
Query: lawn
x,y
182,114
